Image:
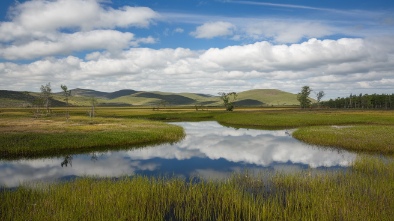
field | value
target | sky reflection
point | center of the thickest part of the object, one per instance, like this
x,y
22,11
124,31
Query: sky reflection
x,y
209,150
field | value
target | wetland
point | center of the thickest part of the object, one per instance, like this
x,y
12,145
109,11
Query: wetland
x,y
195,168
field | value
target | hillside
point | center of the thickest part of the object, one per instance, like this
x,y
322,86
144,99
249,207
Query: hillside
x,y
266,97
23,99
127,97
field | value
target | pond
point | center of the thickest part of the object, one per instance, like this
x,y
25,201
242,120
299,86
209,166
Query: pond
x,y
209,151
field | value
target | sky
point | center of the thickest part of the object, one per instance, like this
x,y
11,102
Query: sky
x,y
198,46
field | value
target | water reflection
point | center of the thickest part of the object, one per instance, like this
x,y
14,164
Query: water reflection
x,y
67,160
209,150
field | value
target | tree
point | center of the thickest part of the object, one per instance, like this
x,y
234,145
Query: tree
x,y
46,95
93,102
67,94
319,96
228,100
302,97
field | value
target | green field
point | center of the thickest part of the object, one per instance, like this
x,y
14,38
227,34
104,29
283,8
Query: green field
x,y
23,136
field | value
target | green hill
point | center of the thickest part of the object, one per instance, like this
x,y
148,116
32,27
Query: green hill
x,y
83,97
266,97
23,99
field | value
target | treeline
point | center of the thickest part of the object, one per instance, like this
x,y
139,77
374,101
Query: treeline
x,y
362,101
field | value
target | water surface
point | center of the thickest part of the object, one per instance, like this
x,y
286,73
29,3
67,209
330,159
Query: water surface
x,y
209,151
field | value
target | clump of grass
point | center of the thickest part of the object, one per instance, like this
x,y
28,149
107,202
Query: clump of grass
x,y
27,138
369,138
364,192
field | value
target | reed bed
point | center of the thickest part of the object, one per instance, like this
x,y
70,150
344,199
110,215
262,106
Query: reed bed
x,y
365,192
369,138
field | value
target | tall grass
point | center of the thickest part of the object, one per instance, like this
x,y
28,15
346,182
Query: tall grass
x,y
366,192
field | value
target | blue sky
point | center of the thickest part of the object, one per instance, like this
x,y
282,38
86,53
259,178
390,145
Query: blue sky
x,y
198,46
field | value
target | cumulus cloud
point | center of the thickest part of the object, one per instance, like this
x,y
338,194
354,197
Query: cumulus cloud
x,y
46,16
42,28
345,65
68,43
213,29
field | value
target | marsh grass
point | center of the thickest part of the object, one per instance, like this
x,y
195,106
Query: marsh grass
x,y
295,118
52,136
368,138
364,192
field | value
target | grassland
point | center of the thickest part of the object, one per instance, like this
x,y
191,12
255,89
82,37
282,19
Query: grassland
x,y
296,118
23,136
363,193
360,130
368,138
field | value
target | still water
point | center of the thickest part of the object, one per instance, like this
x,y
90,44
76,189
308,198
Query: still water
x,y
209,151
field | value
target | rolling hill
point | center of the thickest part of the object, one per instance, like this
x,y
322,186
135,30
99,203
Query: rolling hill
x,y
127,97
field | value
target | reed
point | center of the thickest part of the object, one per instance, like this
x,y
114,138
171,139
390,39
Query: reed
x,y
365,192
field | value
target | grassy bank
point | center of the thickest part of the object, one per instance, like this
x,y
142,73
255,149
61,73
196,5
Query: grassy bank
x,y
369,138
363,193
367,131
26,137
296,118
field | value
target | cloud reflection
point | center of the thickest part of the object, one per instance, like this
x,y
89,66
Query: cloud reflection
x,y
208,150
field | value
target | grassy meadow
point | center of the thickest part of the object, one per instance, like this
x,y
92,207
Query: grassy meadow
x,y
23,136
368,138
363,192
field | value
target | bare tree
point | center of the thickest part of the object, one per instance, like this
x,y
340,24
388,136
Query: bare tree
x,y
67,94
46,95
93,102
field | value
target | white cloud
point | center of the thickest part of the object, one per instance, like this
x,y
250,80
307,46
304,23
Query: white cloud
x,y
47,16
346,65
179,30
45,28
67,43
213,29
283,31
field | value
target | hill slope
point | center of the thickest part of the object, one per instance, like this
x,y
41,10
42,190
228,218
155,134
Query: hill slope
x,y
267,97
83,97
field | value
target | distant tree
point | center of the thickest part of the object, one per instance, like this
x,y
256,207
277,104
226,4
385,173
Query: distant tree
x,y
46,92
303,97
319,96
228,100
67,94
38,103
93,102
